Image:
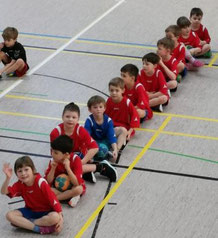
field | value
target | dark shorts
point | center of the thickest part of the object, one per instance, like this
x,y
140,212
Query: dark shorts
x,y
28,213
23,71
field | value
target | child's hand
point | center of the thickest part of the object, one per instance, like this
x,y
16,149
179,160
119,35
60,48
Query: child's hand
x,y
115,155
1,45
54,164
7,170
59,225
66,163
203,42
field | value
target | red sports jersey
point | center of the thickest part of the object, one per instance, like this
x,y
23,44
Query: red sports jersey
x,y
122,113
82,141
39,197
75,165
155,82
172,65
193,40
203,34
139,97
179,53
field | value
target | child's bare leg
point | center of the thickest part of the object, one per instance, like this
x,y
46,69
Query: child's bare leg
x,y
18,65
141,112
180,67
88,168
52,218
6,59
195,51
121,134
17,219
204,49
158,100
73,192
171,84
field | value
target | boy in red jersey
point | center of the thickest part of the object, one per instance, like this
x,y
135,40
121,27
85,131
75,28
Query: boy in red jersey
x,y
154,82
168,63
42,212
83,144
181,53
196,16
12,54
190,39
121,110
65,162
136,92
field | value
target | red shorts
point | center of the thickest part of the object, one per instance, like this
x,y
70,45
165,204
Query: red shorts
x,y
23,71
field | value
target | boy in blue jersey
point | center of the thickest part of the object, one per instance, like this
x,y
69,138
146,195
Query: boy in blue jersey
x,y
101,128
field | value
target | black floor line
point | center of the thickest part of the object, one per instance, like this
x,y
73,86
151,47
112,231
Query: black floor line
x,y
20,138
100,213
25,153
168,172
72,81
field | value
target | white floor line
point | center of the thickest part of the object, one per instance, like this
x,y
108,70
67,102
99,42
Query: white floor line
x,y
33,70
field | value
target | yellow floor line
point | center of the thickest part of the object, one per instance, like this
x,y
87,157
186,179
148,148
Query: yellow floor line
x,y
179,134
213,60
122,178
186,116
41,100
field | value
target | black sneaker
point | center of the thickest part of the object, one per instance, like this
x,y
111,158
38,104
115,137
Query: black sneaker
x,y
90,177
158,108
108,170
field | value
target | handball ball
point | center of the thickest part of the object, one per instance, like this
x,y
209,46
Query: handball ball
x,y
103,150
62,182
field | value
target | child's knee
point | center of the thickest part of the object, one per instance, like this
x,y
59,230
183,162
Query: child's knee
x,y
54,217
10,215
20,63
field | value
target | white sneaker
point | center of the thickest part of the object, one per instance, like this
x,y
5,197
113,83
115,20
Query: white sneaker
x,y
74,200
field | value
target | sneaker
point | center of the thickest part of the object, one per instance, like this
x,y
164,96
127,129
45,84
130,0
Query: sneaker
x,y
109,171
73,201
169,93
158,108
46,229
208,54
90,177
198,63
3,75
190,67
179,78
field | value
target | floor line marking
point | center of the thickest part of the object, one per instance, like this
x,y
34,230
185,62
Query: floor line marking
x,y
179,134
42,100
123,177
62,47
213,60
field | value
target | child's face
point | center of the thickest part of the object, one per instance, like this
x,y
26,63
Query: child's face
x,y
25,175
116,93
70,119
185,31
195,20
162,51
97,110
171,36
58,156
148,67
9,43
127,78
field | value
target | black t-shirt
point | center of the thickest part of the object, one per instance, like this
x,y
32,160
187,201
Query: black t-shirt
x,y
15,52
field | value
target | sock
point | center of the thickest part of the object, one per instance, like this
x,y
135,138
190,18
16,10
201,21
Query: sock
x,y
36,229
188,56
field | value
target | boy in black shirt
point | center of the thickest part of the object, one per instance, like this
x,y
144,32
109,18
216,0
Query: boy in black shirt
x,y
12,54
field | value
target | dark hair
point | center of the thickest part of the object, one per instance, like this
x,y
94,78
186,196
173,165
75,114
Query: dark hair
x,y
151,57
72,107
10,33
24,161
62,143
95,100
183,22
196,11
173,29
131,69
117,82
166,43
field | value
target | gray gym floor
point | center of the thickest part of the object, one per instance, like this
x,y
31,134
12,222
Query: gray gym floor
x,y
168,171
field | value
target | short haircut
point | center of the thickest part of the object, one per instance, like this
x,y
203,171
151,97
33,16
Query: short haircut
x,y
131,69
10,33
62,143
166,43
72,107
24,161
196,11
151,58
95,100
183,22
173,29
117,82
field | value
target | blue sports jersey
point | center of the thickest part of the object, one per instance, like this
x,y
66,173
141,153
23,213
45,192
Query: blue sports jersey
x,y
105,131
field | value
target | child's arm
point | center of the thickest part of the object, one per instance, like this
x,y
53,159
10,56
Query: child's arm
x,y
8,65
129,132
50,175
114,147
171,75
89,155
8,172
70,173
